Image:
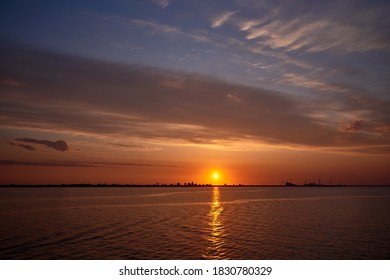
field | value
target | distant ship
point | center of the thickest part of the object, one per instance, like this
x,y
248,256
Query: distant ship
x,y
289,184
312,184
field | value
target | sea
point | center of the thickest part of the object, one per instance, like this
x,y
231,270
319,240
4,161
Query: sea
x,y
254,223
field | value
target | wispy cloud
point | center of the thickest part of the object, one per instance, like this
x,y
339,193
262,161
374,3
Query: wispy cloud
x,y
298,80
158,27
135,147
354,126
10,83
162,3
169,30
249,24
45,163
311,33
221,19
230,44
84,164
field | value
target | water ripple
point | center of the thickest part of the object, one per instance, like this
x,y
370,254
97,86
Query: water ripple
x,y
212,223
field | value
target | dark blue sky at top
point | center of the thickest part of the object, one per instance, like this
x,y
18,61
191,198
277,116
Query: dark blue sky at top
x,y
180,35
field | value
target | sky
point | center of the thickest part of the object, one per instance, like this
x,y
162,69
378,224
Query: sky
x,y
169,91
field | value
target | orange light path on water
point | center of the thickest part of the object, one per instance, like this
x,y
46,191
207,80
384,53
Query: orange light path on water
x,y
216,236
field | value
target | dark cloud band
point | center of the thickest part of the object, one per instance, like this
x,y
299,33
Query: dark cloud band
x,y
69,93
59,145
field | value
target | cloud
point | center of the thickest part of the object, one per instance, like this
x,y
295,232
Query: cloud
x,y
11,83
155,26
162,3
84,164
135,147
298,80
169,30
46,163
199,35
221,19
115,102
358,30
354,126
249,24
59,145
27,147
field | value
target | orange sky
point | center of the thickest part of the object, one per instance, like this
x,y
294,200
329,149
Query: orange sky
x,y
83,164
136,92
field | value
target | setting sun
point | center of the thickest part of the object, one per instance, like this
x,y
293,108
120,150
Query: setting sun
x,y
217,177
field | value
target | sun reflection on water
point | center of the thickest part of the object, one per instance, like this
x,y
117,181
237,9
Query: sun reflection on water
x,y
216,235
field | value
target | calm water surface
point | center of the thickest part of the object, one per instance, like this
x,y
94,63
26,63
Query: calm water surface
x,y
195,223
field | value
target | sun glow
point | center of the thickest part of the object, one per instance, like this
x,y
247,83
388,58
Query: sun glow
x,y
216,177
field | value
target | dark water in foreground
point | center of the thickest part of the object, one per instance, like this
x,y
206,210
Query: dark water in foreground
x,y
195,223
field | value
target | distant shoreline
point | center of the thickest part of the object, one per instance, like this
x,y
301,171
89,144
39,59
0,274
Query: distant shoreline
x,y
175,186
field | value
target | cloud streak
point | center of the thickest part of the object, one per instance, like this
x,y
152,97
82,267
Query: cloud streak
x,y
203,36
47,163
221,19
301,81
162,3
135,147
358,31
24,146
354,126
83,164
59,145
